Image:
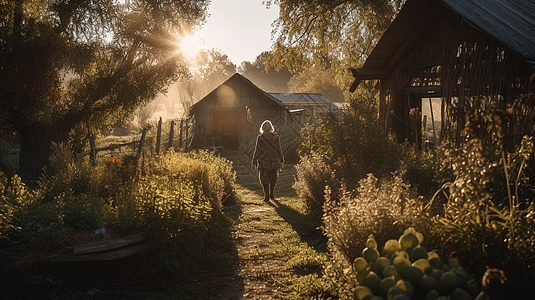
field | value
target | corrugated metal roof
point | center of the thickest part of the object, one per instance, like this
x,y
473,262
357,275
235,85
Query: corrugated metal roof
x,y
304,98
511,22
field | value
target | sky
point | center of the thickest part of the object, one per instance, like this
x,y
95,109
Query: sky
x,y
240,29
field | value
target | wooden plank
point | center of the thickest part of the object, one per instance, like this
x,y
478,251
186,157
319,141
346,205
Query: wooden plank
x,y
432,89
107,255
109,245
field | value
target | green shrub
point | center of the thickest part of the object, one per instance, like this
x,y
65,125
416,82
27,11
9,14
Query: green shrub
x,y
352,146
421,170
210,174
382,208
15,197
312,177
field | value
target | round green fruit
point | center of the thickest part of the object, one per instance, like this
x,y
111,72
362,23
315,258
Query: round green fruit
x,y
361,291
392,246
408,240
389,270
360,264
381,263
428,283
386,284
401,297
371,243
432,295
361,275
370,254
460,294
437,274
418,253
406,286
412,274
401,263
373,281
394,291
454,263
435,262
423,264
448,281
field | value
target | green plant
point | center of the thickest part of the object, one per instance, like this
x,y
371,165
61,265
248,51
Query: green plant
x,y
312,177
406,267
352,146
378,207
488,224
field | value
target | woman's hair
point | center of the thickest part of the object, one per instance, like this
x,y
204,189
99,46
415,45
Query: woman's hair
x,y
266,127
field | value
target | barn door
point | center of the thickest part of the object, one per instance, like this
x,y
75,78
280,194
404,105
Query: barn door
x,y
227,124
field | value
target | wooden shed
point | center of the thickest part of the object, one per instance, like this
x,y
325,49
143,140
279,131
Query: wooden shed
x,y
223,116
306,107
478,56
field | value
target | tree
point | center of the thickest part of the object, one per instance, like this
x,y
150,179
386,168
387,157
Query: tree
x,y
317,80
333,34
265,76
68,67
212,68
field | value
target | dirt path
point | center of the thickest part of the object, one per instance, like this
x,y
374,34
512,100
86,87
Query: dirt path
x,y
261,233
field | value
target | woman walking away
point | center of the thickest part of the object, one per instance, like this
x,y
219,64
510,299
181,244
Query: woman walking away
x,y
267,158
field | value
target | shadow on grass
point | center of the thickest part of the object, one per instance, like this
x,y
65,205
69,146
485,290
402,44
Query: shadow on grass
x,y
302,224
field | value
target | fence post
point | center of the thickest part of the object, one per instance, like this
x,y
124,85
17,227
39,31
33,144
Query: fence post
x,y
171,131
186,138
159,136
180,135
141,143
93,154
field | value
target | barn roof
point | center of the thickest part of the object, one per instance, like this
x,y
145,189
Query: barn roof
x,y
510,22
242,78
304,98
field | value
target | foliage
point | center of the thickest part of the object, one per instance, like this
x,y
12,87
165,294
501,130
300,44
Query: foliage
x,y
313,177
422,171
68,68
382,208
265,76
317,80
212,68
325,32
478,225
15,197
174,202
352,146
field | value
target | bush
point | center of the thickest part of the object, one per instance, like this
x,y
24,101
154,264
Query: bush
x,y
174,202
382,208
352,146
313,176
481,226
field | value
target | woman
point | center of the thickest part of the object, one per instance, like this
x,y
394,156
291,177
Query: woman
x,y
267,158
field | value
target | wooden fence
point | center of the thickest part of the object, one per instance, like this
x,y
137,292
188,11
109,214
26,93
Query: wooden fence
x,y
178,135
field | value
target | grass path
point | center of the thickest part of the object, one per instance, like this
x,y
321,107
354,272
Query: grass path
x,y
275,245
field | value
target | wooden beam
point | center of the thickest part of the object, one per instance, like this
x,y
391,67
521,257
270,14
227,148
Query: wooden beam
x,y
431,89
109,244
422,65
367,74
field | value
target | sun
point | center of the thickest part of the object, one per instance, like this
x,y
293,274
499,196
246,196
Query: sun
x,y
191,45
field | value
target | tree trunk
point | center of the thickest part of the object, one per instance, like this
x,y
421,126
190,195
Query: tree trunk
x,y
36,147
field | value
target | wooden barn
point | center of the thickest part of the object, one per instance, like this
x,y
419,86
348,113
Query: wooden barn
x,y
223,116
478,56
